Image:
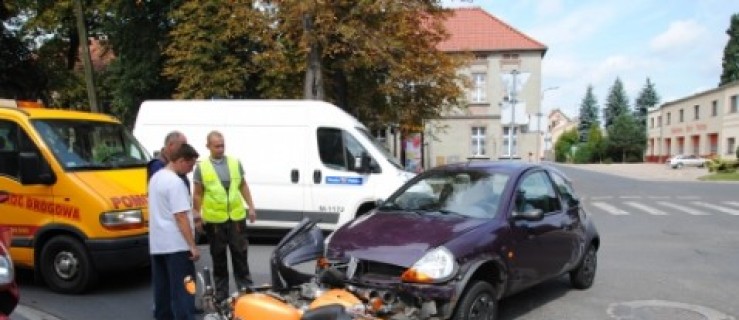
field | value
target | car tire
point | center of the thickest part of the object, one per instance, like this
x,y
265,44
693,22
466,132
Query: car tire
x,y
679,165
478,302
66,266
583,276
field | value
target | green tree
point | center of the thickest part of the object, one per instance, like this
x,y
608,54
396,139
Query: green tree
x,y
597,144
617,103
626,140
730,62
20,75
563,146
137,33
648,98
588,113
212,49
376,62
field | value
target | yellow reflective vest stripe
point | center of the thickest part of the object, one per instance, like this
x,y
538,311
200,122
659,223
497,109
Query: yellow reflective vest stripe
x,y
218,204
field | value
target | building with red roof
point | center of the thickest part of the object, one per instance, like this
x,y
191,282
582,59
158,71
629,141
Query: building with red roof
x,y
480,127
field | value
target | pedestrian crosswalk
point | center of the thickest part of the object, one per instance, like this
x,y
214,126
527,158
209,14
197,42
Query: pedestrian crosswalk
x,y
659,206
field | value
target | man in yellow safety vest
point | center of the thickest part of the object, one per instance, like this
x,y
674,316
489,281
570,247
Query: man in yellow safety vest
x,y
218,196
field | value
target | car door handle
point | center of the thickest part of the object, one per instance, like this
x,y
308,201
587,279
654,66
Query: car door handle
x,y
294,175
317,176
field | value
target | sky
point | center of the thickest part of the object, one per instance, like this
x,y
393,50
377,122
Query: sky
x,y
677,44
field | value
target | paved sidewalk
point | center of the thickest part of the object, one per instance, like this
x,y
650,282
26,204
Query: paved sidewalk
x,y
646,171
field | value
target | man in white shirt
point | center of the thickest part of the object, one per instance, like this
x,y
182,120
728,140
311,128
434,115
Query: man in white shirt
x,y
171,237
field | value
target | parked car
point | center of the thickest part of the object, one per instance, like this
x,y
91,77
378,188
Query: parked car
x,y
456,239
8,287
679,161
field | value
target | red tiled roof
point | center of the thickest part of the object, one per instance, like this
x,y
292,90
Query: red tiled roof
x,y
473,29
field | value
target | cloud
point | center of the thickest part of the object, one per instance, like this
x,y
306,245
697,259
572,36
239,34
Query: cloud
x,y
577,25
679,35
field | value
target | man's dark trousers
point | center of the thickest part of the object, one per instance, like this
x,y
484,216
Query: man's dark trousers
x,y
229,235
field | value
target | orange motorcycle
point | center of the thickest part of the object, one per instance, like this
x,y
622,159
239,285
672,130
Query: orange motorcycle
x,y
292,295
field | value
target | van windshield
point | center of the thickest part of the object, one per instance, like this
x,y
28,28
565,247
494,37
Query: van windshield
x,y
91,145
383,149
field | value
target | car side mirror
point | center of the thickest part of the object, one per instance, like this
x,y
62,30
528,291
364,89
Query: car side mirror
x,y
529,215
35,170
573,202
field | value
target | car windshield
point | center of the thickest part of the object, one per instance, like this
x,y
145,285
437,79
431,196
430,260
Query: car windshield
x,y
473,194
91,145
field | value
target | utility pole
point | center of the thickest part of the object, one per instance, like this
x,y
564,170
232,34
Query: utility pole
x,y
513,101
86,60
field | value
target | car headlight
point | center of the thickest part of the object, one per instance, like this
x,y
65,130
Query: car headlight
x,y
436,265
127,219
6,268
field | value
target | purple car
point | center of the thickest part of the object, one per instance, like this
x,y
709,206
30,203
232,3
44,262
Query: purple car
x,y
456,239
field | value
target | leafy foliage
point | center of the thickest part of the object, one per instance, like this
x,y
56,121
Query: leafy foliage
x,y
588,113
625,139
563,146
617,103
730,62
648,98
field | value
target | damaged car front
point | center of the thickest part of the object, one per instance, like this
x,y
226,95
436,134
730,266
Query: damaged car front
x,y
415,254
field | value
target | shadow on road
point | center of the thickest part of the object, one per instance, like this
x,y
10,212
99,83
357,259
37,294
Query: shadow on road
x,y
520,304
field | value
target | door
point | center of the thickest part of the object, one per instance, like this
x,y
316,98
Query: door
x,y
23,207
337,188
543,248
273,158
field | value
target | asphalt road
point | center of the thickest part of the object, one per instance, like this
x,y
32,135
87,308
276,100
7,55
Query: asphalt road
x,y
670,251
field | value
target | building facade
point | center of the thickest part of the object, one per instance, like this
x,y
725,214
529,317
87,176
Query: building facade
x,y
705,124
558,123
481,128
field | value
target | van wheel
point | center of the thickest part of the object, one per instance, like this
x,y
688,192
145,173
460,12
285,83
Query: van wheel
x,y
66,266
478,302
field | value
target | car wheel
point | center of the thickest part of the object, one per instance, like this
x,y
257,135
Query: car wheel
x,y
478,302
66,266
584,275
679,165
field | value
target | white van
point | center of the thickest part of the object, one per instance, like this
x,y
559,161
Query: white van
x,y
301,158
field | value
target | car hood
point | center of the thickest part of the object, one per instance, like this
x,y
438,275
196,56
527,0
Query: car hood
x,y
398,238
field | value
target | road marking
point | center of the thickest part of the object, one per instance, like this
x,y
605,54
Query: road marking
x,y
659,197
610,209
626,310
730,211
682,208
648,209
732,203
630,197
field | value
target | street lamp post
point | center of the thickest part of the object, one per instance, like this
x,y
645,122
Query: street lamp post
x,y
538,125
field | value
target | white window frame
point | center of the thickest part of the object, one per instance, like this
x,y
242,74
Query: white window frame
x,y
479,87
478,140
505,142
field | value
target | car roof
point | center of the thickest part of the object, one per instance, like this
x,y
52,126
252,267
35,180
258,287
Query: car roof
x,y
510,167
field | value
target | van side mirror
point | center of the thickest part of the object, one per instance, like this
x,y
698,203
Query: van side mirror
x,y
35,170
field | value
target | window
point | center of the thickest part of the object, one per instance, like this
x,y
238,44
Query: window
x,y
536,192
479,92
730,145
669,117
682,113
714,108
565,188
659,121
478,141
506,130
339,150
651,122
13,142
696,112
734,104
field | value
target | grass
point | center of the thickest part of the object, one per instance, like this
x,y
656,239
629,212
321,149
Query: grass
x,y
721,176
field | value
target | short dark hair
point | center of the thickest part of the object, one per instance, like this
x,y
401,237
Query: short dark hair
x,y
185,151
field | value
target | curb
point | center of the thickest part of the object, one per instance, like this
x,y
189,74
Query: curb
x,y
25,312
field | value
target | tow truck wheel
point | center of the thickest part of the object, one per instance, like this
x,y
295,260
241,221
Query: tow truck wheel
x,y
66,266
